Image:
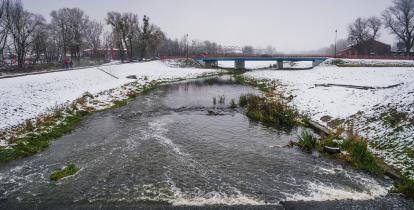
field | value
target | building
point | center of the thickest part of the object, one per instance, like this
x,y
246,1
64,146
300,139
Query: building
x,y
373,48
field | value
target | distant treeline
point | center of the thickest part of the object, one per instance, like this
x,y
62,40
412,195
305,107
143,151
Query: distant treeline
x,y
27,38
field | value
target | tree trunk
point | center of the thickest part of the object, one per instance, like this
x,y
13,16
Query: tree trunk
x,y
407,49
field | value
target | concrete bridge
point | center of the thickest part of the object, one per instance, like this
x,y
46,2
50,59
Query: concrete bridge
x,y
210,61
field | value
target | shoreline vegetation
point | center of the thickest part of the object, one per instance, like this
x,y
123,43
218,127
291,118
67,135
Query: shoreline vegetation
x,y
274,109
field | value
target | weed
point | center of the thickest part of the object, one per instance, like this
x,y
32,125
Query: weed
x,y
405,186
214,101
222,100
306,141
120,103
29,125
67,171
360,156
151,86
409,152
233,104
243,100
393,117
274,112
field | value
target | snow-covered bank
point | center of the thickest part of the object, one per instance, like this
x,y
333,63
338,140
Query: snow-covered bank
x,y
27,97
365,108
374,62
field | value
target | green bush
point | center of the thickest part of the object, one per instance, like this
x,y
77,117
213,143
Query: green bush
x,y
306,141
67,171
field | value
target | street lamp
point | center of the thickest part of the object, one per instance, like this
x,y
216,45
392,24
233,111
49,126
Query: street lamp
x,y
186,45
336,36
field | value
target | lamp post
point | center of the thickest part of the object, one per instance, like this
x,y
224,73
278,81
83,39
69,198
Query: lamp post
x,y
336,36
186,45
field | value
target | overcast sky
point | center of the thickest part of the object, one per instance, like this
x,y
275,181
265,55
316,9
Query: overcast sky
x,y
288,25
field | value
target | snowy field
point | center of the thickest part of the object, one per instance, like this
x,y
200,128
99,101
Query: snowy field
x,y
364,107
27,97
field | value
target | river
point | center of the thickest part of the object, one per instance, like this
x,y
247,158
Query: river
x,y
163,150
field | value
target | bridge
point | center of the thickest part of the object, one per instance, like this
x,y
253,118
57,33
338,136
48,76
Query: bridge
x,y
210,61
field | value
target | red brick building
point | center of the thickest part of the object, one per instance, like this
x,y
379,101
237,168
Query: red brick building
x,y
372,48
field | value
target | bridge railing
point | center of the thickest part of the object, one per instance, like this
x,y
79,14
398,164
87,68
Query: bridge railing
x,y
373,57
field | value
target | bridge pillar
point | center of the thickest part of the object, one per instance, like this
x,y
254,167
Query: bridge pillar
x,y
280,64
239,64
211,64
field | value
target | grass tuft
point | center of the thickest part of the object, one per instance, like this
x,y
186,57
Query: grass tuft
x,y
243,100
360,156
222,100
233,103
405,186
275,112
307,142
120,103
67,171
393,117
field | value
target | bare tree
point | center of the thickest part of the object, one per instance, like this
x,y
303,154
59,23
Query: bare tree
x,y
145,36
155,40
248,50
39,44
4,29
399,19
364,31
125,29
22,25
93,32
71,24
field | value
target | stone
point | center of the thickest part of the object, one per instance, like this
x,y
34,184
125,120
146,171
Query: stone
x,y
331,150
132,77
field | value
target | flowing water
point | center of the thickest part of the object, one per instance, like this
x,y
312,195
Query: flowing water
x,y
163,150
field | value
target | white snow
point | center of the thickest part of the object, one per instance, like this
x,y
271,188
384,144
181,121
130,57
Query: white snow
x,y
339,102
345,103
378,62
27,97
